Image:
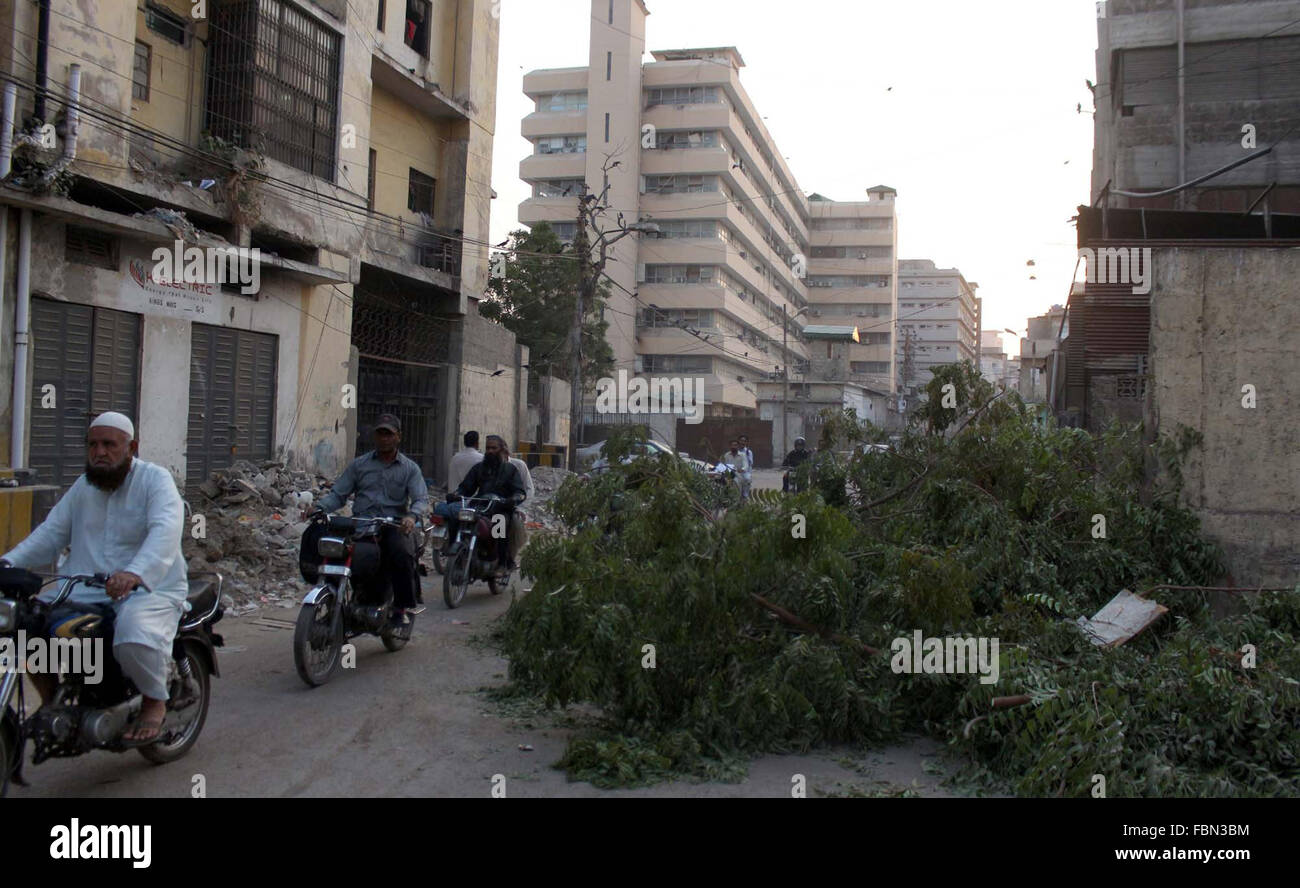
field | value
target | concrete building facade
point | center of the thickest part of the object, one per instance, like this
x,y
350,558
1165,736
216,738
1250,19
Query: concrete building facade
x,y
740,250
938,321
1185,87
346,142
1036,351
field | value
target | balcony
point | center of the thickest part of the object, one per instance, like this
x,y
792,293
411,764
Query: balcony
x,y
553,166
553,123
553,80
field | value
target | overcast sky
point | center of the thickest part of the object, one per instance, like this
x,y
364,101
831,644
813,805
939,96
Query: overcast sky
x,y
967,108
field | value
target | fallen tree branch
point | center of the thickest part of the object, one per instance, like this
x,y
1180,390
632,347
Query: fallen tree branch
x,y
1008,702
804,626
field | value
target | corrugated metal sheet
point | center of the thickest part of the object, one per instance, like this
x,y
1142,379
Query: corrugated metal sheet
x,y
232,399
92,358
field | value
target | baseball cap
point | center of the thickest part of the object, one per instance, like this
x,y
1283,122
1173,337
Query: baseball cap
x,y
390,422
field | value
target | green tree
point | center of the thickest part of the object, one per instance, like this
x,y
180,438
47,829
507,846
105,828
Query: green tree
x,y
532,294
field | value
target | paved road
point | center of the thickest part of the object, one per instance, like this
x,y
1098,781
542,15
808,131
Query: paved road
x,y
413,723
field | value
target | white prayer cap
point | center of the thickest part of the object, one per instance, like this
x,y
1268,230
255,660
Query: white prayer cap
x,y
116,421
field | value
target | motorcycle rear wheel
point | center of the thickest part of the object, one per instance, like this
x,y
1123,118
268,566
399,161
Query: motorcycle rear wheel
x,y
160,753
317,664
455,581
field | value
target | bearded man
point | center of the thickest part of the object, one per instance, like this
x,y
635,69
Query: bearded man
x,y
124,518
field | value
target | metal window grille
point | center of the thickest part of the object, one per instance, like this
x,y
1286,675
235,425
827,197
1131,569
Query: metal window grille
x,y
165,23
273,83
140,72
90,247
420,193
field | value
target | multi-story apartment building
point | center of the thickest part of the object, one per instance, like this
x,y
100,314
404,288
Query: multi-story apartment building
x,y
938,321
740,250
1188,86
347,141
995,365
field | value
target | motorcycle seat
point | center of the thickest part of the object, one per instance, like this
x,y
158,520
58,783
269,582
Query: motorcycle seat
x,y
203,594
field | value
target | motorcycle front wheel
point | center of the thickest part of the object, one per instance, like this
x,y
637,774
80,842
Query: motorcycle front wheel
x,y
163,752
318,641
8,750
455,581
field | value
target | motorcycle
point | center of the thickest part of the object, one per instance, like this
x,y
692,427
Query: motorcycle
x,y
436,534
82,715
352,595
473,553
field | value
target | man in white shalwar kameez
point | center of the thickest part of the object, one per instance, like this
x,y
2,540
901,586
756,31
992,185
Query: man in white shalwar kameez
x,y
123,518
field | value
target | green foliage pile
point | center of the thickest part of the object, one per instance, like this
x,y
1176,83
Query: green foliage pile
x,y
978,523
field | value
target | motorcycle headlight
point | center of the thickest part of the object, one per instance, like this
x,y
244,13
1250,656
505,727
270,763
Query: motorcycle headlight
x,y
465,515
331,547
8,614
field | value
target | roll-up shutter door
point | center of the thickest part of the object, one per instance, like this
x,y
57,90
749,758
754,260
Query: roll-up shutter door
x,y
92,358
232,399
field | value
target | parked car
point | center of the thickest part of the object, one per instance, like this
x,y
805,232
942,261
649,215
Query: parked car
x,y
595,454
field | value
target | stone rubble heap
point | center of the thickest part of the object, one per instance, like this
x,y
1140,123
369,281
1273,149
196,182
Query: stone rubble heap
x,y
251,528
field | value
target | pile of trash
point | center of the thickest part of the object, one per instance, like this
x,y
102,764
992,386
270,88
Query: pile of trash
x,y
250,530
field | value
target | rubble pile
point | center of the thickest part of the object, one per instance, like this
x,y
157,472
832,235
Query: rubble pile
x,y
250,532
546,480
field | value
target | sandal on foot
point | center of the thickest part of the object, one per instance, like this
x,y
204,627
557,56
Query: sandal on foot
x,y
151,731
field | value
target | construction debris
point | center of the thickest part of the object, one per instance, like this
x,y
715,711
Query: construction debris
x,y
1123,617
251,528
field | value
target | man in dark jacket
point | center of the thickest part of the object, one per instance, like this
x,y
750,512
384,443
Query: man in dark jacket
x,y
494,475
793,460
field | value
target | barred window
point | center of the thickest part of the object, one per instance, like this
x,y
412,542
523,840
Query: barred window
x,y
419,198
273,82
140,72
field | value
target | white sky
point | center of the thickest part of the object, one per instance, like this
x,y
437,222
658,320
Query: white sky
x,y
975,133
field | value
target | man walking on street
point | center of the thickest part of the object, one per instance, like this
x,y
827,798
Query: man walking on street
x,y
518,520
387,484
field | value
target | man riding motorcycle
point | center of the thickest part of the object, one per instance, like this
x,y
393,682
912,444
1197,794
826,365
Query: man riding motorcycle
x,y
387,484
793,460
495,475
123,517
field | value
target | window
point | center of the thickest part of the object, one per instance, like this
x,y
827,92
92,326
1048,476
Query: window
x,y
370,181
840,224
848,280
878,367
562,101
684,139
416,35
557,188
606,127
273,83
89,247
379,24
680,184
420,195
679,274
611,12
565,231
609,66
682,95
562,145
165,24
140,72
688,228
